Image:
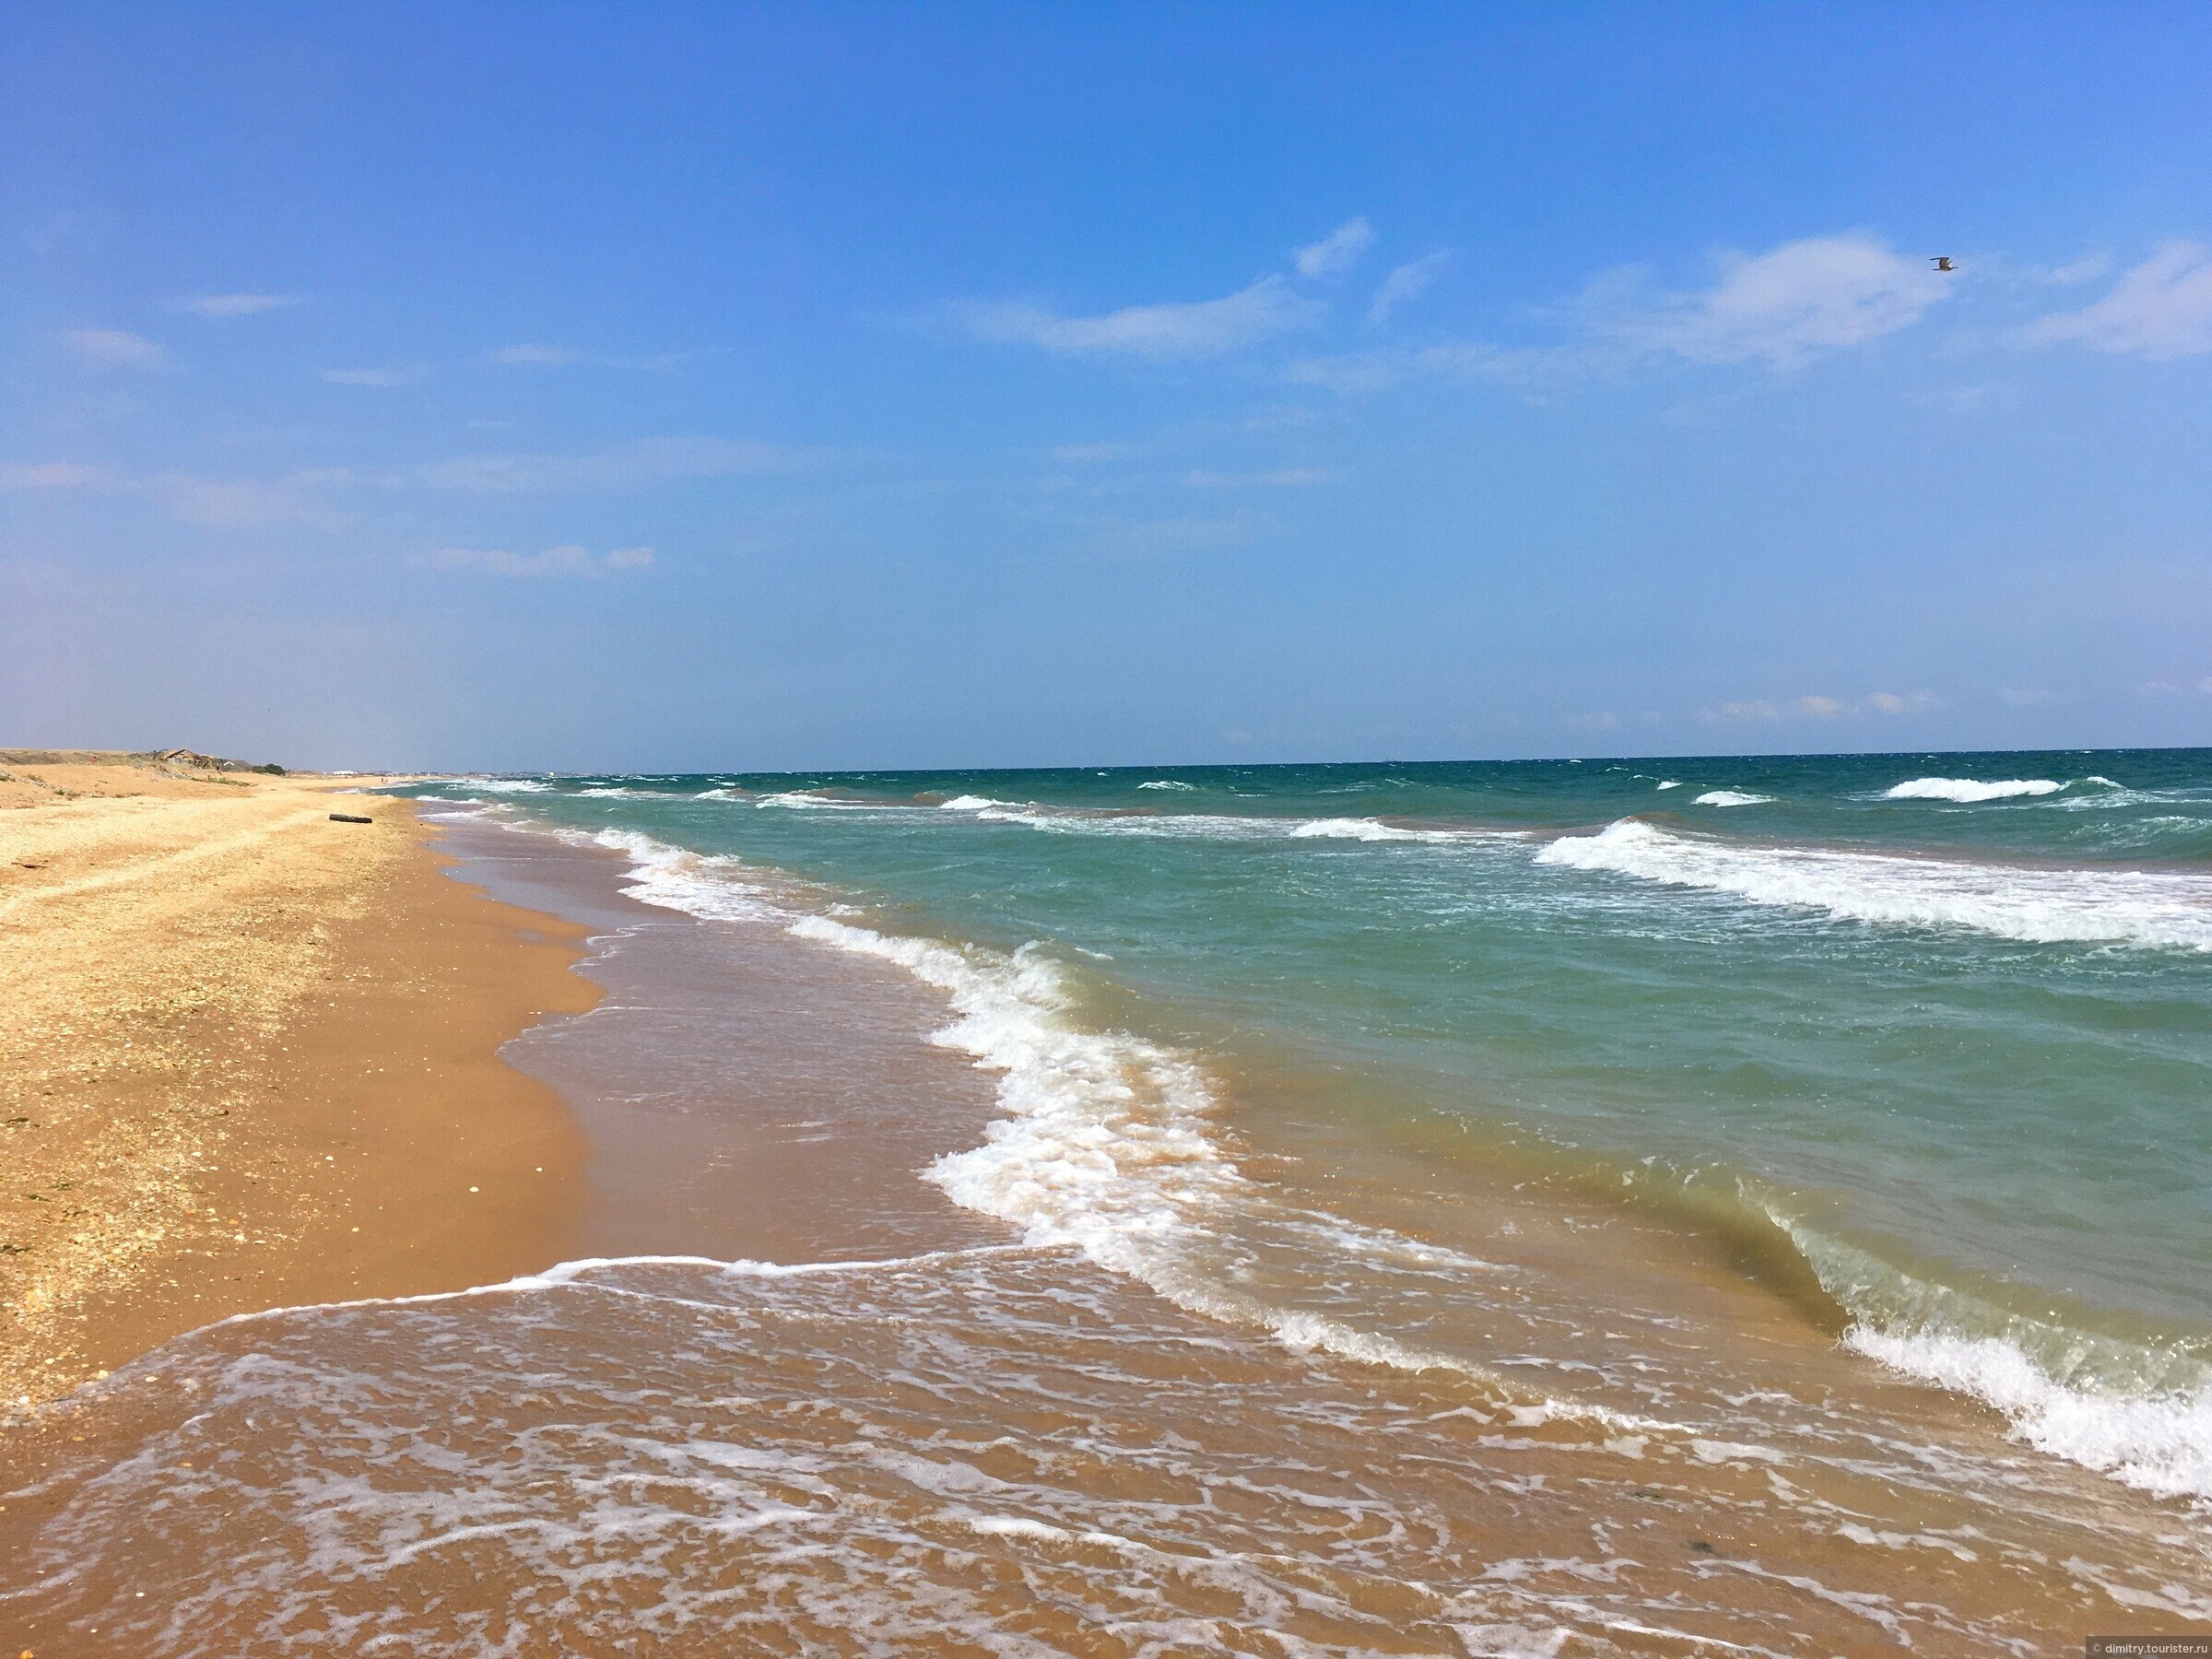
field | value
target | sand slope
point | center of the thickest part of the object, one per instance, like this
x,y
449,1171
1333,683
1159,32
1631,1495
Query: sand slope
x,y
248,1057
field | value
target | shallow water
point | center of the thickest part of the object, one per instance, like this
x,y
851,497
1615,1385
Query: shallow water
x,y
1427,1210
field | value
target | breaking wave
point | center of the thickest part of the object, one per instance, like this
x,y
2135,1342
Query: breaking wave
x,y
2039,906
1968,789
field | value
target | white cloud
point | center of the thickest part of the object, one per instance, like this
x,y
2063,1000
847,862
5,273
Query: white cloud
x,y
233,305
1278,477
2160,309
566,560
534,357
405,375
1337,251
1790,303
116,349
1815,707
1891,703
2087,268
1205,328
48,474
1407,282
226,503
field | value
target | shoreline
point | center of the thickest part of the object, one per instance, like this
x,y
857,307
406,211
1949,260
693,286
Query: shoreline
x,y
251,1058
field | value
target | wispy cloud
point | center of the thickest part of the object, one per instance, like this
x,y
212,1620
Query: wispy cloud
x,y
1405,282
627,465
1278,478
1336,253
116,349
2160,309
534,356
1782,307
1170,333
49,475
1531,368
566,560
225,503
1818,707
1087,452
541,355
232,305
405,374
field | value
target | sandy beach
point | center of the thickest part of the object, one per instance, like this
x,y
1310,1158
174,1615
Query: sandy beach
x,y
249,1057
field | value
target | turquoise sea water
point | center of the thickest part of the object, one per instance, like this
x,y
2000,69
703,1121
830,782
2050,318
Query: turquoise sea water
x,y
1942,1024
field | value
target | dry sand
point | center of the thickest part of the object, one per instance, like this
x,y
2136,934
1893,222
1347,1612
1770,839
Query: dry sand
x,y
248,1057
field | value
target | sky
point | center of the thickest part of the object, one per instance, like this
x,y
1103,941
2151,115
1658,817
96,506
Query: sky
x,y
663,386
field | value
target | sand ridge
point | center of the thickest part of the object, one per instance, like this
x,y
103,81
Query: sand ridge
x,y
248,1055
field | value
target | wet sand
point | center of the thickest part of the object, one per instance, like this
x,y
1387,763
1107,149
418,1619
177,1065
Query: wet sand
x,y
248,1057
743,1097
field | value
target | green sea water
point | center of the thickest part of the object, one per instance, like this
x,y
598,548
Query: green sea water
x,y
1943,1023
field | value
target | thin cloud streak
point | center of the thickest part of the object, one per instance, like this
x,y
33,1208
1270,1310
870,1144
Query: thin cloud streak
x,y
631,466
1337,252
233,305
566,560
1408,281
2160,309
1163,334
406,374
116,349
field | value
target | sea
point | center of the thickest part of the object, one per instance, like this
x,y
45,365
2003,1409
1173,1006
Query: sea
x,y
1543,1207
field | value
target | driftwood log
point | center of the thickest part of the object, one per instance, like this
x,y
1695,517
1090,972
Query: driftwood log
x,y
347,818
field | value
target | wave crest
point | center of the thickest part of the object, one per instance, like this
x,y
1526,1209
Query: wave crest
x,y
2036,906
1969,790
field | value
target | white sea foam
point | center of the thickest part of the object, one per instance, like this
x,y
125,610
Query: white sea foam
x,y
1103,1144
2138,1413
718,888
2042,906
1670,783
617,793
1370,829
1226,827
969,803
2161,1443
1730,798
808,800
508,785
1969,789
1167,783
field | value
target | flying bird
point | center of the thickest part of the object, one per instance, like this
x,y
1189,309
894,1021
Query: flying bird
x,y
1943,262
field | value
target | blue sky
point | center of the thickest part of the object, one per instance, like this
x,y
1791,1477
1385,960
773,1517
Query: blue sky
x,y
656,386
